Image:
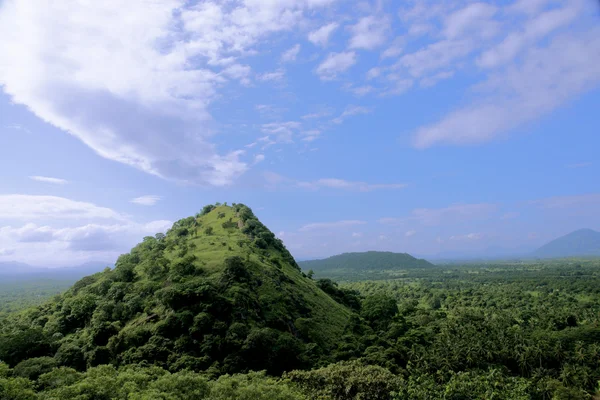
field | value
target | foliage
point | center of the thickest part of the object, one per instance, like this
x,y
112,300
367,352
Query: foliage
x,y
364,265
347,381
184,300
186,315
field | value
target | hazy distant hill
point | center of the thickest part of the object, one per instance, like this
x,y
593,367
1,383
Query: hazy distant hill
x,y
21,271
583,242
366,264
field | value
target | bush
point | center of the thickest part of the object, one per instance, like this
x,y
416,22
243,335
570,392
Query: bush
x,y
347,381
34,367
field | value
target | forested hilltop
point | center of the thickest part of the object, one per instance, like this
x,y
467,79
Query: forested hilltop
x,y
365,265
217,308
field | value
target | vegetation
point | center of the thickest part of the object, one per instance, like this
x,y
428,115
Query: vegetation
x,y
17,295
226,316
367,265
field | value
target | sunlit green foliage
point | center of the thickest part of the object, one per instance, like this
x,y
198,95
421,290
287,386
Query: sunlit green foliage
x,y
191,315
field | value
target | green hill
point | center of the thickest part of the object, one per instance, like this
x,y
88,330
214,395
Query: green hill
x,y
580,243
217,292
365,265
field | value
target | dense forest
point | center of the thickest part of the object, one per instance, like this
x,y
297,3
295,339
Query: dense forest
x,y
365,265
217,308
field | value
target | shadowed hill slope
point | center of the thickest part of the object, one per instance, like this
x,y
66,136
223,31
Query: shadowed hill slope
x,y
219,291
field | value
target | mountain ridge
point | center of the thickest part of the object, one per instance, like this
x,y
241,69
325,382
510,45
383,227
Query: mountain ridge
x,y
582,242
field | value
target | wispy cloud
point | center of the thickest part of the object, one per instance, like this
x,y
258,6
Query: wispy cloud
x,y
139,102
350,111
320,37
47,179
332,183
580,165
450,214
18,127
28,207
469,236
273,76
148,200
576,201
291,54
336,63
330,225
369,33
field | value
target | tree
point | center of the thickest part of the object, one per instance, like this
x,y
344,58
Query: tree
x,y
379,310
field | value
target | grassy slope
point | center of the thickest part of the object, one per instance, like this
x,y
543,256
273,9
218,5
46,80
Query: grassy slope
x,y
328,318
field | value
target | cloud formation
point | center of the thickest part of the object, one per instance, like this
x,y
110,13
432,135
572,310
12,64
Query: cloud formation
x,y
47,179
330,225
136,83
336,63
148,200
320,37
29,207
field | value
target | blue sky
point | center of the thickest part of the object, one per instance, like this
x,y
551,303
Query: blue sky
x,y
428,127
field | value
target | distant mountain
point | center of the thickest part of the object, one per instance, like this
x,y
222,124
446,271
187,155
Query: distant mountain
x,y
370,262
583,242
21,271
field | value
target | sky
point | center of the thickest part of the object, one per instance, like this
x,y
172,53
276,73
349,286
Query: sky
x,y
429,127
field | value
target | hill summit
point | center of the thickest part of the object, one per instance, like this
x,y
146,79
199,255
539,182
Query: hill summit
x,y
369,263
217,292
582,242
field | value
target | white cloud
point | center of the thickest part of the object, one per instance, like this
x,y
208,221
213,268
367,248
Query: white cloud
x,y
475,16
52,246
290,54
27,207
320,37
350,111
332,183
451,214
148,200
283,131
536,28
319,114
335,63
410,233
369,33
545,79
469,236
357,234
134,80
273,76
395,49
6,252
259,158
361,90
46,179
432,80
311,135
330,225
238,72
